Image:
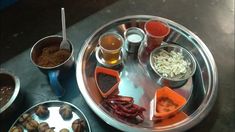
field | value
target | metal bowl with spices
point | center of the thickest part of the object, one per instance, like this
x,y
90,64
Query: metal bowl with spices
x,y
10,96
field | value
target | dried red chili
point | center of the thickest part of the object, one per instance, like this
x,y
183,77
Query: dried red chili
x,y
124,107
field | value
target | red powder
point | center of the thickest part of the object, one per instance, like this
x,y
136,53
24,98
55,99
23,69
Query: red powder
x,y
156,28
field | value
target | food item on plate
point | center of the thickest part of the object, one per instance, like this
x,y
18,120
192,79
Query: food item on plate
x,y
5,94
168,102
164,104
43,126
52,56
66,112
78,125
171,64
25,118
110,45
106,81
50,130
42,111
16,129
124,107
64,130
32,125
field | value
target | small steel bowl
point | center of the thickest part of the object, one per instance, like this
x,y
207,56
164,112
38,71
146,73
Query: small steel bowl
x,y
8,79
178,80
133,38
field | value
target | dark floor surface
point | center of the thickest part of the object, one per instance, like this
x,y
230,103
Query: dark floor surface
x,y
21,23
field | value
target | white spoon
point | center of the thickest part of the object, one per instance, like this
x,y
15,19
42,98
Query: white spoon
x,y
64,43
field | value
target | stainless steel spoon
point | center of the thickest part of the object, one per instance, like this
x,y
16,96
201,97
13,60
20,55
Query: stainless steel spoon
x,y
64,43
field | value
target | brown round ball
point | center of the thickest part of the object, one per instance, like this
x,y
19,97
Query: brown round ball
x,y
24,119
43,126
78,125
32,126
42,111
64,130
16,129
66,112
50,130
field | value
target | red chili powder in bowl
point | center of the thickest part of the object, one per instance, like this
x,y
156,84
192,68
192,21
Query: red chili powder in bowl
x,y
156,28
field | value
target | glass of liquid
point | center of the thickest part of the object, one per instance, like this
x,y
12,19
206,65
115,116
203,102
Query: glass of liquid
x,y
110,45
156,31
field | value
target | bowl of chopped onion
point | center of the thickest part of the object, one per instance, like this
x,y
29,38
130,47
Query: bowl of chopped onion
x,y
173,64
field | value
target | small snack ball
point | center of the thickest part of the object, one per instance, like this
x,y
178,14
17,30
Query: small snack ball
x,y
78,125
24,119
43,126
64,130
42,111
32,126
16,129
50,130
66,112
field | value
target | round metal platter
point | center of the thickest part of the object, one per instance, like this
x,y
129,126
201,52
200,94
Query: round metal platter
x,y
137,81
55,120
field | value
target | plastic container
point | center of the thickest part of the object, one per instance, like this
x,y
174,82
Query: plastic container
x,y
172,120
110,80
156,31
166,92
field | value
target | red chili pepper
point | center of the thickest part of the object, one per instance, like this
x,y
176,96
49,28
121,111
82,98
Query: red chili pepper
x,y
124,108
126,114
130,111
120,98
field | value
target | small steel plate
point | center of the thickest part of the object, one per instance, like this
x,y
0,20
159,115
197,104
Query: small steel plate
x,y
55,120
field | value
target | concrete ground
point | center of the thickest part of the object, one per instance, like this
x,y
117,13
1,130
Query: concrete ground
x,y
21,23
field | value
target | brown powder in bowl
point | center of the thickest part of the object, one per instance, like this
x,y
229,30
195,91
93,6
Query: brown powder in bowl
x,y
52,56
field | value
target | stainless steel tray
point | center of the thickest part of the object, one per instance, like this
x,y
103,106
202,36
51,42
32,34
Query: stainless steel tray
x,y
55,120
200,90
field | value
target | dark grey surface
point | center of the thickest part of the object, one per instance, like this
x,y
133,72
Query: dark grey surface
x,y
26,21
211,20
